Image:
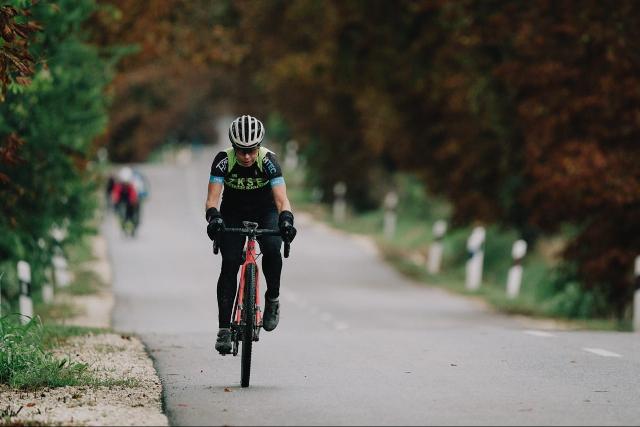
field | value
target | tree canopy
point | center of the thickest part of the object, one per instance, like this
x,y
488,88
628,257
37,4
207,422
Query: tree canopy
x,y
47,128
524,114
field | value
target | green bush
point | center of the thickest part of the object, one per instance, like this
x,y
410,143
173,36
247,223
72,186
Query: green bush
x,y
497,253
563,296
58,117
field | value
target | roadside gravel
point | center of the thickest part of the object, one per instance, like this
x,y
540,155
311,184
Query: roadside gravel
x,y
134,399
110,357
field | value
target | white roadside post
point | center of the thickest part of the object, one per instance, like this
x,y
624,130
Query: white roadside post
x,y
316,194
514,278
390,214
103,155
61,272
25,302
476,259
435,250
291,156
339,203
60,275
636,296
58,234
184,156
47,287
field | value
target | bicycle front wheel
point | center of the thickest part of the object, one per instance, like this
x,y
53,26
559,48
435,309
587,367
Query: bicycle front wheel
x,y
249,314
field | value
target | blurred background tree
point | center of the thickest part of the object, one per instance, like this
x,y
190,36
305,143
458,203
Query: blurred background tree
x,y
165,85
521,114
16,63
48,125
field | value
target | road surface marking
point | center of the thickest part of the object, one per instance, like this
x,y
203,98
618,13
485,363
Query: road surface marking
x,y
539,334
325,317
341,326
602,352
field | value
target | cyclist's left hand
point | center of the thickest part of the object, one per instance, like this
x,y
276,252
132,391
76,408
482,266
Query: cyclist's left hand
x,y
285,223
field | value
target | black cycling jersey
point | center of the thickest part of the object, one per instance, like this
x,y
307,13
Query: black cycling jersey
x,y
246,189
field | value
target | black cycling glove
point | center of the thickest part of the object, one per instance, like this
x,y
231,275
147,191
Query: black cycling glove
x,y
216,224
285,223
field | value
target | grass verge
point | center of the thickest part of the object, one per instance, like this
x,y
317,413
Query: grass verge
x,y
26,361
86,282
541,295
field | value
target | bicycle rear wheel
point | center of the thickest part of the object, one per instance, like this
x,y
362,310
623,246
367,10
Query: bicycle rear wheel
x,y
249,313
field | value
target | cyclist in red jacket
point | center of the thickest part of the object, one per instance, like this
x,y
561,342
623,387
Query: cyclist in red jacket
x,y
124,197
254,190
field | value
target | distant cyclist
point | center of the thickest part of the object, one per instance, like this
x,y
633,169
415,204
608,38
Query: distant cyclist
x,y
141,184
124,197
254,190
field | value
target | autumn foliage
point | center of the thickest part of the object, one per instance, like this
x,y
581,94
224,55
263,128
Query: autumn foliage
x,y
525,114
166,79
16,62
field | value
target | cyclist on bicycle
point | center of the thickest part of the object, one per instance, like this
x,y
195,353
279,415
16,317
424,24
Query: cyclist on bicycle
x,y
125,197
254,190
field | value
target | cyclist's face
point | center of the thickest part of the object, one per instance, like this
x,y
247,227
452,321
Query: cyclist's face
x,y
246,157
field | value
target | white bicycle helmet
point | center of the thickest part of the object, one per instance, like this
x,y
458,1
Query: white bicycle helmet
x,y
125,174
246,132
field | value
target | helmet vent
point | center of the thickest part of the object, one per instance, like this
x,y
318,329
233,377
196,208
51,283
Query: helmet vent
x,y
246,132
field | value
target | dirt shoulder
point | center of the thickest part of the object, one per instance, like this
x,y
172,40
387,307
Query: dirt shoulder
x,y
134,394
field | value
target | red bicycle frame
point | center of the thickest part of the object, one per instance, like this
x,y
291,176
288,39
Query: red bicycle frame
x,y
250,258
242,317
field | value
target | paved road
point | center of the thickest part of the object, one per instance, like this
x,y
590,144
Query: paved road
x,y
357,343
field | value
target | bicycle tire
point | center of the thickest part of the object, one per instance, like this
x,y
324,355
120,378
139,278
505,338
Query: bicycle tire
x,y
249,312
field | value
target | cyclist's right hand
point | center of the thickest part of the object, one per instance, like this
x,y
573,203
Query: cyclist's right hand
x,y
216,223
215,227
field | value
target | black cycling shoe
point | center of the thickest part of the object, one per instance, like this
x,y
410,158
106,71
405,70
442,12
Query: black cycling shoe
x,y
223,343
271,314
